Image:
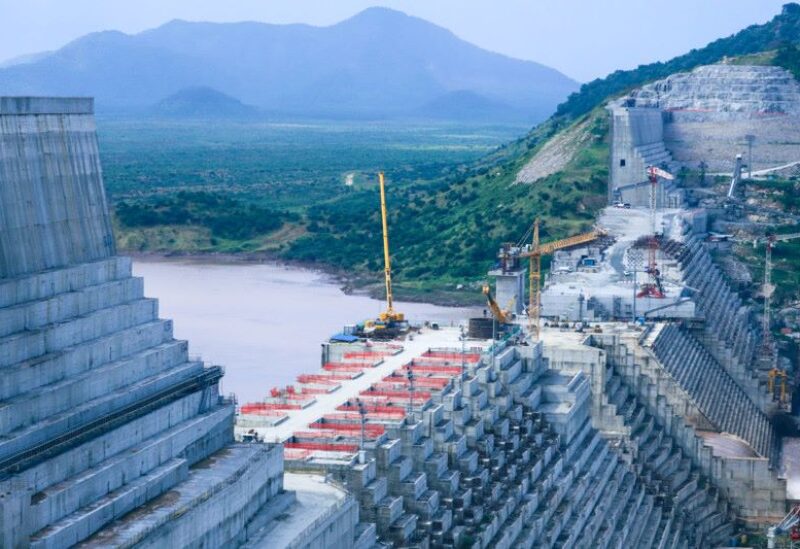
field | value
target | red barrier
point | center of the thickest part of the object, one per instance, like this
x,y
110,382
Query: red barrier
x,y
374,408
419,381
343,367
432,369
370,429
454,356
367,354
403,394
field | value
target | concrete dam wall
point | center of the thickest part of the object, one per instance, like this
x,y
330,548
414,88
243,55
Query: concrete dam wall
x,y
54,208
110,435
704,116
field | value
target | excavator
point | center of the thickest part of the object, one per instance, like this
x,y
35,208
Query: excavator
x,y
502,316
390,323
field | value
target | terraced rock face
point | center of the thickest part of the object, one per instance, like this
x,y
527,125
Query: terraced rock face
x,y
709,111
742,89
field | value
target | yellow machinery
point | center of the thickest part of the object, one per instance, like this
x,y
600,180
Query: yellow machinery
x,y
782,376
503,317
389,315
535,268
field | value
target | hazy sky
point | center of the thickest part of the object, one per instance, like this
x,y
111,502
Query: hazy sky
x,y
582,38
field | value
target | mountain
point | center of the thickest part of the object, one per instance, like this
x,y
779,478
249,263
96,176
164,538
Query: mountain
x,y
464,104
379,63
202,102
24,59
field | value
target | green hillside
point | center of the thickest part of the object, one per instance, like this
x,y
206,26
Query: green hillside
x,y
446,225
447,232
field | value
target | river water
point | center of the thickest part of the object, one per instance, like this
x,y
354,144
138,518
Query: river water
x,y
264,323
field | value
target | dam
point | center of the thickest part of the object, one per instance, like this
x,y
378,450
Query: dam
x,y
602,432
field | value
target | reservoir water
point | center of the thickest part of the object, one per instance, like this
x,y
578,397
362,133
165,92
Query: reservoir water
x,y
264,323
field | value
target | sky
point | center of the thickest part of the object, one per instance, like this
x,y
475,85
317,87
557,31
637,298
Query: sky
x,y
584,39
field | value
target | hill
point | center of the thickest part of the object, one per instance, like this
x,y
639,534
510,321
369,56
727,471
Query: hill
x,y
202,102
446,228
452,227
379,63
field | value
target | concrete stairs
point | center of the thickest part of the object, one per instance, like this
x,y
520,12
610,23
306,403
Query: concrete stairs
x,y
729,332
101,410
667,470
712,388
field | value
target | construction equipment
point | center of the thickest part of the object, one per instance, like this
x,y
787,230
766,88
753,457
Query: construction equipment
x,y
389,315
654,288
390,323
770,242
779,395
789,525
534,255
503,317
737,177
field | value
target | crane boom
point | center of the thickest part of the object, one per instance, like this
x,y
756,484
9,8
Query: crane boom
x,y
390,314
550,247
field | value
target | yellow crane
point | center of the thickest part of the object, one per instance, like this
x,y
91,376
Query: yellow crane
x,y
389,315
534,255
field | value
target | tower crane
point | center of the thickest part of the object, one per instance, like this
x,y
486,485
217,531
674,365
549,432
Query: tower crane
x,y
654,288
534,255
775,373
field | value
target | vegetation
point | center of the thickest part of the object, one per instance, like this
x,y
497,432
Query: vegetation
x,y
279,189
449,231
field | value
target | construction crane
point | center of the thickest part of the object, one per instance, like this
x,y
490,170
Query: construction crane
x,y
534,255
390,323
654,288
789,525
389,315
770,242
503,317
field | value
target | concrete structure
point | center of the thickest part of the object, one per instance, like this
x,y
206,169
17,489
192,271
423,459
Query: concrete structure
x,y
704,116
110,435
489,448
604,290
510,289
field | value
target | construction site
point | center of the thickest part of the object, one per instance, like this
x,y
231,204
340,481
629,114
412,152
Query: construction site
x,y
621,392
